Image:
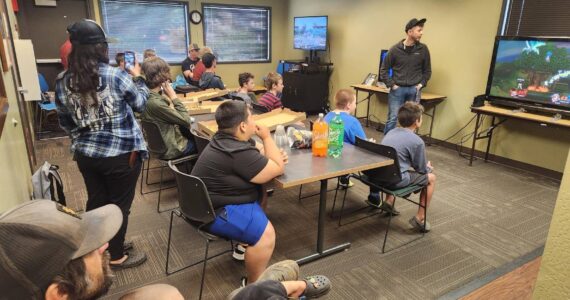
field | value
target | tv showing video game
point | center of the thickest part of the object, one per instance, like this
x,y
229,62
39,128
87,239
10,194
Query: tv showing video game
x,y
310,33
530,72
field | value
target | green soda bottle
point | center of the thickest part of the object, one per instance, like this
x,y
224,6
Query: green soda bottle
x,y
336,136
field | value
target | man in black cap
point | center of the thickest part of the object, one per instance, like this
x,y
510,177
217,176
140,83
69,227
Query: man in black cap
x,y
411,69
48,251
189,63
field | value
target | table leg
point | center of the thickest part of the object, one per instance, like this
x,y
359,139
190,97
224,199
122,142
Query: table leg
x,y
431,124
321,231
489,136
368,110
474,139
356,108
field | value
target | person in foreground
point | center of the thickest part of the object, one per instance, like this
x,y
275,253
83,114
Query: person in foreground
x,y
281,281
411,153
234,167
95,106
49,251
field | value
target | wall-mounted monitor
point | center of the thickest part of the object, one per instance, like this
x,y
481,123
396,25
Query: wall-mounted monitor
x,y
383,54
530,71
310,33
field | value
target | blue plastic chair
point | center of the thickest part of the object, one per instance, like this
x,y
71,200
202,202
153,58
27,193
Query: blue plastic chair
x,y
46,106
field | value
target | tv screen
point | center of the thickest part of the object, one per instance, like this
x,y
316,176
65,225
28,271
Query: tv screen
x,y
310,33
531,70
383,54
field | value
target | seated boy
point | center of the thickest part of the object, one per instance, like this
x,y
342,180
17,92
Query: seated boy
x,y
246,85
164,109
209,79
272,98
411,153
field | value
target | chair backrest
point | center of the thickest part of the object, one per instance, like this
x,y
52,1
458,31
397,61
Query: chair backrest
x,y
193,197
154,140
44,87
388,174
201,141
260,108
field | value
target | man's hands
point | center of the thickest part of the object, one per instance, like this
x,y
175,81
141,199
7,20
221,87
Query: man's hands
x,y
419,86
395,87
262,132
135,70
284,156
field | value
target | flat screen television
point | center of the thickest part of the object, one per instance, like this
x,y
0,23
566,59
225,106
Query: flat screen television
x,y
310,33
383,54
531,72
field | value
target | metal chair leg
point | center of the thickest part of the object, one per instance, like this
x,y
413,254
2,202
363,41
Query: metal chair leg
x,y
142,178
160,188
300,191
204,268
168,243
388,228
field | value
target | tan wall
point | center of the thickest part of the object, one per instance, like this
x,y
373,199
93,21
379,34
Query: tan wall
x,y
460,36
554,275
15,185
229,72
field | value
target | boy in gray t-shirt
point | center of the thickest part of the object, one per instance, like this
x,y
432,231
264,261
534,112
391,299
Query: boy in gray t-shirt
x,y
411,153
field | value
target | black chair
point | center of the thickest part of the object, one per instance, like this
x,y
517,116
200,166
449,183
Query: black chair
x,y
197,210
389,175
157,148
260,108
201,141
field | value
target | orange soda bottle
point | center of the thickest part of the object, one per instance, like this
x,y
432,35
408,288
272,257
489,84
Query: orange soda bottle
x,y
320,137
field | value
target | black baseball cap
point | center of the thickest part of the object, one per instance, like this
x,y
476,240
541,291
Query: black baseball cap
x,y
415,22
39,238
86,32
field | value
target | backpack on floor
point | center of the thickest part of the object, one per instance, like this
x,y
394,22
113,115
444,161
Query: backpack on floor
x,y
47,184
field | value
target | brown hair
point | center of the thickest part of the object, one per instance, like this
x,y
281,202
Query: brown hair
x,y
148,53
243,78
343,97
271,79
156,70
205,50
409,113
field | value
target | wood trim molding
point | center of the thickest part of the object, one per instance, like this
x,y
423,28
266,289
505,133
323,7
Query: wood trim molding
x,y
3,112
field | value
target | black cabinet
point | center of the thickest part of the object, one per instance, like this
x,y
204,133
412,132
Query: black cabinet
x,y
306,92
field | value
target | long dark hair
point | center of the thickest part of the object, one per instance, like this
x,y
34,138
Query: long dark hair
x,y
84,70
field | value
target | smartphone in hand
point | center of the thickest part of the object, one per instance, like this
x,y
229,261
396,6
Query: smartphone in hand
x,y
129,60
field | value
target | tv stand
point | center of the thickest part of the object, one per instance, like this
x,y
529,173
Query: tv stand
x,y
306,86
530,108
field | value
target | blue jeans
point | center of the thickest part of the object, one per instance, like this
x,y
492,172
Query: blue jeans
x,y
397,98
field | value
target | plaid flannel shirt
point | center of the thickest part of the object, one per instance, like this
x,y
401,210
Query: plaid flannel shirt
x,y
109,129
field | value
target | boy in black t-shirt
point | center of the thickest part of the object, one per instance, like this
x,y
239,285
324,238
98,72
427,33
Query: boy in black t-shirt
x,y
233,167
189,63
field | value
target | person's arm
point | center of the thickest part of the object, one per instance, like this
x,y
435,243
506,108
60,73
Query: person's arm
x,y
276,160
63,114
186,70
418,159
134,89
426,68
385,70
219,84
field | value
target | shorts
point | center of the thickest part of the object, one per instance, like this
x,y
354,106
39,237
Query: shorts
x,y
244,223
416,179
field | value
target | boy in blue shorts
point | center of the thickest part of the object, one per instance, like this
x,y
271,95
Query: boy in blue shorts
x,y
233,167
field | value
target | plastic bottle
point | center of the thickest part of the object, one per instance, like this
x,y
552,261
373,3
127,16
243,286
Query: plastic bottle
x,y
336,136
320,137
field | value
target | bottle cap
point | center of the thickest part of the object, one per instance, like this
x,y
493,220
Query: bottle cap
x,y
321,115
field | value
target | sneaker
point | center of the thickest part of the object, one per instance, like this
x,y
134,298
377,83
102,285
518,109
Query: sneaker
x,y
134,259
243,281
270,192
373,200
239,252
345,183
389,209
420,225
286,270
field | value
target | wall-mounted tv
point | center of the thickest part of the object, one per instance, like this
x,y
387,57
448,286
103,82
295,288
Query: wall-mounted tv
x,y
383,54
310,33
530,72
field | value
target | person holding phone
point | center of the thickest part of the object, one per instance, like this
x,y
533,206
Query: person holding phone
x,y
165,110
95,104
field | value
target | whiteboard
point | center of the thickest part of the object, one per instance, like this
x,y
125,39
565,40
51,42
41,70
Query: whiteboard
x,y
27,69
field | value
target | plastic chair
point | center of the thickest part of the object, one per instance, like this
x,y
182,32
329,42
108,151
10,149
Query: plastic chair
x,y
45,106
201,141
197,210
389,175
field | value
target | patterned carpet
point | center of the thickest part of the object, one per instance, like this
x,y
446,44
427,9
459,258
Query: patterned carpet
x,y
482,217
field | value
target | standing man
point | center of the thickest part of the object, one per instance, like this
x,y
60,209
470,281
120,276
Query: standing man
x,y
189,63
410,63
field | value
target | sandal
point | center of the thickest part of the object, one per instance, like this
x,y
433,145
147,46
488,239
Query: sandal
x,y
317,286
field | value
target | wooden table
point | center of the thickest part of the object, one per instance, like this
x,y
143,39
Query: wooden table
x,y
258,89
304,168
428,100
503,114
202,95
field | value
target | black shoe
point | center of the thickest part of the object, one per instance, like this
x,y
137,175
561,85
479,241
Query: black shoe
x,y
270,192
134,259
373,201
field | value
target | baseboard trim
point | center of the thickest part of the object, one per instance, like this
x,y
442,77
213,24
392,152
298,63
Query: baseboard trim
x,y
496,158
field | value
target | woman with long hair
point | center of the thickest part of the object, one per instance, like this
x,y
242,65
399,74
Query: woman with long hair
x,y
95,104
